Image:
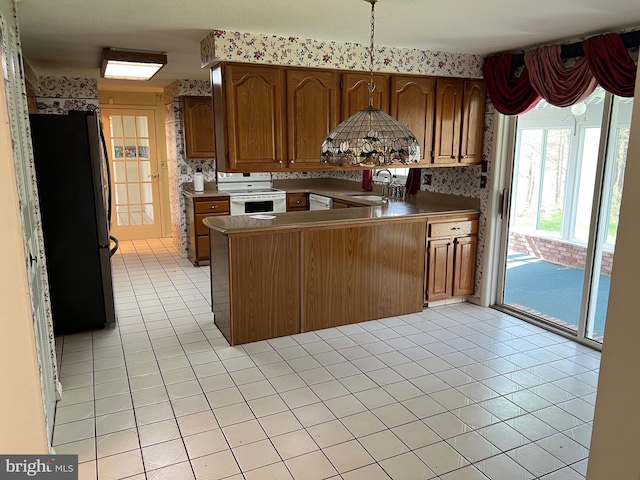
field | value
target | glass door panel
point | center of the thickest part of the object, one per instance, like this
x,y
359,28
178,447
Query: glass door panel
x,y
554,171
130,135
612,185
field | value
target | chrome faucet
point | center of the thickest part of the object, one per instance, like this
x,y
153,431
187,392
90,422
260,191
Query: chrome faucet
x,y
386,188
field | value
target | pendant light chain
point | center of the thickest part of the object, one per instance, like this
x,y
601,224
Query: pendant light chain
x,y
370,137
372,86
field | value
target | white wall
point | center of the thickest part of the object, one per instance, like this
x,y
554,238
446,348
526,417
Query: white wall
x,y
615,441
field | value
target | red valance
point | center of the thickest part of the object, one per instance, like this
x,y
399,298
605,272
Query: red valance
x,y
510,95
557,84
611,64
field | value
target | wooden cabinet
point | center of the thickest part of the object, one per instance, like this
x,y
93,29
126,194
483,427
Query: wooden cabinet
x,y
199,138
297,202
450,265
413,104
355,92
249,103
459,121
275,118
199,208
313,110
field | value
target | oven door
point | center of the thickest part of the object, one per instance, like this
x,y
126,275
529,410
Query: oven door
x,y
246,205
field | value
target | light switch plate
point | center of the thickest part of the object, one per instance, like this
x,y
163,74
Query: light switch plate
x,y
184,169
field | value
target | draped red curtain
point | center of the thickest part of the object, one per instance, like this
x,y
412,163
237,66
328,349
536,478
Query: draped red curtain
x,y
413,180
557,84
510,95
367,180
611,64
606,61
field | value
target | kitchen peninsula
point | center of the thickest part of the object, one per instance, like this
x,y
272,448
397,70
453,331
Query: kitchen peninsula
x,y
287,273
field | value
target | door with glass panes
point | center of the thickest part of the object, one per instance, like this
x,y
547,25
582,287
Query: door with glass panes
x,y
566,186
131,143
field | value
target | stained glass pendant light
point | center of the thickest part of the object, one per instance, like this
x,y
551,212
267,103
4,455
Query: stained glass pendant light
x,y
370,137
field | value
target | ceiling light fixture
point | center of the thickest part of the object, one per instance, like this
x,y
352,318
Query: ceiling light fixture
x,y
370,137
130,65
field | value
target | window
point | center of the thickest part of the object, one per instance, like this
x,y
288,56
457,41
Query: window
x,y
401,174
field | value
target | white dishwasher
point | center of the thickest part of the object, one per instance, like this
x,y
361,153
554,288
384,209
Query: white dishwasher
x,y
320,202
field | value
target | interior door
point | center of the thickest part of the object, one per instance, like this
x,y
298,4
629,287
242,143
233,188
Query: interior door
x,y
133,157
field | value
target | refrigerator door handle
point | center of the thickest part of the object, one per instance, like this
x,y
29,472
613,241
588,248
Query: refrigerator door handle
x,y
108,169
112,251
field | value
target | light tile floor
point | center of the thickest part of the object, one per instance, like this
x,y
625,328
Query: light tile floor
x,y
453,393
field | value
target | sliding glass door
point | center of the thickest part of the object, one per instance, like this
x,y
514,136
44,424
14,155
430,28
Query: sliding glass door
x,y
566,183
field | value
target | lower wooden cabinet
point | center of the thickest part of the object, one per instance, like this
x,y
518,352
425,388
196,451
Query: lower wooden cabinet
x,y
199,208
297,202
452,244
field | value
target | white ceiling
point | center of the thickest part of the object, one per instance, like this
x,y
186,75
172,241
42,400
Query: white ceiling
x,y
66,37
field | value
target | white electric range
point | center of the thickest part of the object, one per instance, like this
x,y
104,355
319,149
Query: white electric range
x,y
251,193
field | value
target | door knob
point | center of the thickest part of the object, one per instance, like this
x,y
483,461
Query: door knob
x,y
153,175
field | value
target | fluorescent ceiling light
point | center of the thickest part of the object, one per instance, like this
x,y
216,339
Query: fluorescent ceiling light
x,y
127,65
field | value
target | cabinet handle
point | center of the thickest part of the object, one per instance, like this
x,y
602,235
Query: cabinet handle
x,y
280,162
292,161
214,206
454,157
455,228
298,202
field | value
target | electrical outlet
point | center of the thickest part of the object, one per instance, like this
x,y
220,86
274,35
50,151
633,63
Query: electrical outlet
x,y
184,170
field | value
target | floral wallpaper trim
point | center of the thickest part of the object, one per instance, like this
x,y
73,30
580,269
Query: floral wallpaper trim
x,y
222,45
67,87
62,106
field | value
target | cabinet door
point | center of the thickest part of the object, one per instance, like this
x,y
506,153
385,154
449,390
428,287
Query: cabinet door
x,y
355,93
465,266
297,202
198,127
413,105
313,101
255,115
449,92
440,269
473,109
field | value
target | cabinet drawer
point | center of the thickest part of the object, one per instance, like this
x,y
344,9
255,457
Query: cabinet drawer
x,y
297,201
212,206
453,229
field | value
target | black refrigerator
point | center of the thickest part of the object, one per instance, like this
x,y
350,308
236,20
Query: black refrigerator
x,y
72,174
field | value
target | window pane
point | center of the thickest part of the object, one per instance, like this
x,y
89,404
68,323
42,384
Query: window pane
x,y
132,172
554,181
586,181
118,172
527,176
143,129
129,126
115,125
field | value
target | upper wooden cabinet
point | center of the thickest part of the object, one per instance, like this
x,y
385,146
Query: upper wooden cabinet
x,y
199,138
459,121
271,118
474,104
249,103
412,104
355,92
313,110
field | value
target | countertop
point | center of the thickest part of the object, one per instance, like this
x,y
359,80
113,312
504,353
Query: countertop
x,y
422,204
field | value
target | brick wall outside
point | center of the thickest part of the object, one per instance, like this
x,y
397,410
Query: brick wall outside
x,y
556,251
